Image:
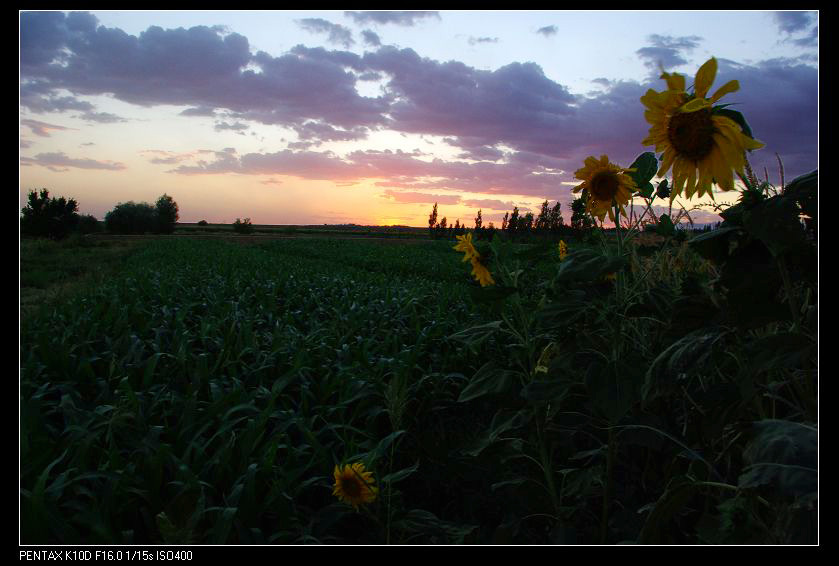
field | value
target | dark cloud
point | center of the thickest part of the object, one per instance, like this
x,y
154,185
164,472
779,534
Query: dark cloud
x,y
548,31
337,34
371,38
385,17
60,162
791,22
199,67
666,51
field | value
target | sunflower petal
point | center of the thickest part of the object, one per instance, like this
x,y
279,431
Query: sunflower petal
x,y
730,86
705,77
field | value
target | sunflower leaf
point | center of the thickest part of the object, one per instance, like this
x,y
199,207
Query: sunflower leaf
x,y
645,166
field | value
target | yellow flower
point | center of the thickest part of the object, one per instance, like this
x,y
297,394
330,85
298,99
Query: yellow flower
x,y
701,147
563,250
353,485
465,245
606,185
481,273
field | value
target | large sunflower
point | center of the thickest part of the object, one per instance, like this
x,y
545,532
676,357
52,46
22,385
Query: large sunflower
x,y
701,145
606,184
353,485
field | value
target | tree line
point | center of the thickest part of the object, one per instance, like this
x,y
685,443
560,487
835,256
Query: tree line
x,y
58,217
548,222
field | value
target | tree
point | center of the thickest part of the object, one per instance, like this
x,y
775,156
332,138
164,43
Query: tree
x,y
48,217
432,220
543,220
513,222
579,219
555,218
88,224
166,214
243,226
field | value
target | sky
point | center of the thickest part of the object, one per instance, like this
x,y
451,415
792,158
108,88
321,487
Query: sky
x,y
335,117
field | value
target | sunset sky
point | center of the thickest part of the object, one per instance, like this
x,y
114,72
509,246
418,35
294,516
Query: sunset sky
x,y
330,117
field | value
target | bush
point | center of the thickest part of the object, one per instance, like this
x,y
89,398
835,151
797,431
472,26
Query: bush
x,y
131,218
202,222
243,226
47,217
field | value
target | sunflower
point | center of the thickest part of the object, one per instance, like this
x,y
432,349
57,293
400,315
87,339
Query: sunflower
x,y
481,273
606,184
465,245
353,485
701,145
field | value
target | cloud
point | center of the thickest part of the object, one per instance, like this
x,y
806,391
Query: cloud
x,y
337,33
476,40
526,132
491,204
42,128
403,197
666,51
235,126
407,19
548,31
791,22
810,40
202,111
371,38
200,67
101,117
60,162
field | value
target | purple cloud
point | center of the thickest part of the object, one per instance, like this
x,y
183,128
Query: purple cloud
x,y
371,38
60,162
477,40
337,34
403,197
384,17
666,51
791,22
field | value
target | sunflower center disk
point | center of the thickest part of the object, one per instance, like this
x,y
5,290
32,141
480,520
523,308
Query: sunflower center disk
x,y
691,134
604,186
351,486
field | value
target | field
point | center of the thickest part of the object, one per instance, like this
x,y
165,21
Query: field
x,y
207,390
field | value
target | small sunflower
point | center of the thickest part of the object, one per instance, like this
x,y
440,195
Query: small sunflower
x,y
607,185
465,245
563,250
354,485
481,273
701,146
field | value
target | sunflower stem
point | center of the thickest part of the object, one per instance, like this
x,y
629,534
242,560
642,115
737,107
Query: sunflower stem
x,y
607,490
